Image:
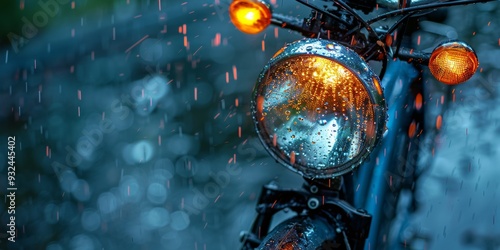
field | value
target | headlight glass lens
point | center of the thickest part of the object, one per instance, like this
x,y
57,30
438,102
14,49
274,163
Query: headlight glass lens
x,y
314,113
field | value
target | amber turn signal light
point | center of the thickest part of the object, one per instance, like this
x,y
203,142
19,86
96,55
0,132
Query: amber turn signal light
x,y
453,62
250,16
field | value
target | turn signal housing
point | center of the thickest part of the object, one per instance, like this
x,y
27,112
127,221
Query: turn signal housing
x,y
453,62
250,16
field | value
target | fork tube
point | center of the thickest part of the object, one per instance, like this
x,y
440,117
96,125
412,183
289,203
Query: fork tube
x,y
373,181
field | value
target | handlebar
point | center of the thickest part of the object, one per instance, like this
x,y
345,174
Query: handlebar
x,y
418,57
295,24
396,4
327,25
288,22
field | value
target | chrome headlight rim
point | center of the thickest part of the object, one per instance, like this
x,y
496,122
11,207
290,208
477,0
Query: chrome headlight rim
x,y
359,68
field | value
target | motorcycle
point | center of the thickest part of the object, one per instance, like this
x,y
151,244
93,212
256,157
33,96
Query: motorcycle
x,y
321,111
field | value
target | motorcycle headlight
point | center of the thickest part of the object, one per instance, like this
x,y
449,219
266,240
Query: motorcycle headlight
x,y
318,108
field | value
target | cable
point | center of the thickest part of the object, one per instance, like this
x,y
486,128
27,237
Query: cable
x,y
323,12
424,7
351,11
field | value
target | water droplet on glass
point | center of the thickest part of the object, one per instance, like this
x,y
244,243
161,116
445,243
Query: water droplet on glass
x,y
322,122
326,111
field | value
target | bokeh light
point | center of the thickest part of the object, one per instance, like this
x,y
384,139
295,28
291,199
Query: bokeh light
x,y
133,125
